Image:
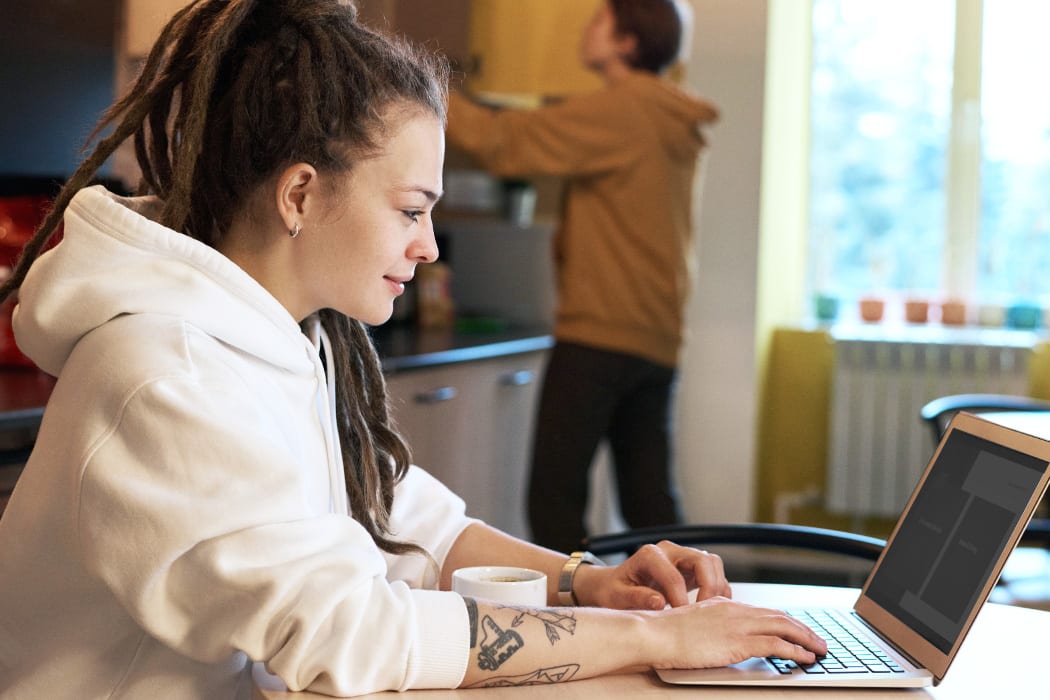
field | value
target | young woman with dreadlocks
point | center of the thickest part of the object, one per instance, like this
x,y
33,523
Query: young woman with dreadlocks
x,y
216,480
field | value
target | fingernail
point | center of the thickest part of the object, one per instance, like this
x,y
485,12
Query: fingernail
x,y
655,602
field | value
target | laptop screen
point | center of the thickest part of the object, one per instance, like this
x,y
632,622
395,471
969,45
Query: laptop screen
x,y
951,538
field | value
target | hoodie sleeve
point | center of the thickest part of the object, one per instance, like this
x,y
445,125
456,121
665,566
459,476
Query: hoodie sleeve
x,y
213,545
579,136
426,513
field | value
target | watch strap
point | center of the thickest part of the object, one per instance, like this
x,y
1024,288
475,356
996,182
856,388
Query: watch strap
x,y
566,596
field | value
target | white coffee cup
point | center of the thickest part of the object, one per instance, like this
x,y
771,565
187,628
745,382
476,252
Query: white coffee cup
x,y
512,585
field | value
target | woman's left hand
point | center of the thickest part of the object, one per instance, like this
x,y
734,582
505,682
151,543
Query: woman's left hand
x,y
653,577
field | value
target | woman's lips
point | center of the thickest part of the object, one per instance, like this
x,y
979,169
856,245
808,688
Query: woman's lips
x,y
397,286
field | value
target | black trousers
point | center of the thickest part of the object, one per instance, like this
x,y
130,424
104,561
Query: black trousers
x,y
589,395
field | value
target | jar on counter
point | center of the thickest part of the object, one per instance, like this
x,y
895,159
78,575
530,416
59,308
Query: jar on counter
x,y
434,306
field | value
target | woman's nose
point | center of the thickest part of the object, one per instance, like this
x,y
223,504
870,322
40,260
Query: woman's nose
x,y
424,249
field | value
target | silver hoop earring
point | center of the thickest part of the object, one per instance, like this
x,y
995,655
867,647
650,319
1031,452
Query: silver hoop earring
x,y
295,231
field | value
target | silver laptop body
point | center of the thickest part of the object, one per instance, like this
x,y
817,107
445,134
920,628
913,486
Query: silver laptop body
x,y
940,563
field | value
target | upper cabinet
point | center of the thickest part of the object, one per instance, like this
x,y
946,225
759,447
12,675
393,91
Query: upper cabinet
x,y
528,48
508,50
442,25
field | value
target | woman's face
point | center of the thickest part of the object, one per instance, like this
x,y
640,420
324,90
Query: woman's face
x,y
377,224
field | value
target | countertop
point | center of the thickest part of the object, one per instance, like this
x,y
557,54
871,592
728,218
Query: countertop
x,y
405,347
24,392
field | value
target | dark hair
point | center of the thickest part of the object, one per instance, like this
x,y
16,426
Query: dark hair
x,y
657,28
232,92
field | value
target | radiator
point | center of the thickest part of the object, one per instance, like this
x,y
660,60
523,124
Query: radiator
x,y
877,444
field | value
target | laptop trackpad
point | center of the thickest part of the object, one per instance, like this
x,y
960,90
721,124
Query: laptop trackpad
x,y
751,670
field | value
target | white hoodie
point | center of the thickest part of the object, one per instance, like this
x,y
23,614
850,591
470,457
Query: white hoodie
x,y
184,512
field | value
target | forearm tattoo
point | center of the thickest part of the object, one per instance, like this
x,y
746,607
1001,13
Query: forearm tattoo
x,y
472,616
496,644
543,676
552,619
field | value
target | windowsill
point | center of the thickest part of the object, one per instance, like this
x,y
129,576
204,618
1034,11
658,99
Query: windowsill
x,y
931,333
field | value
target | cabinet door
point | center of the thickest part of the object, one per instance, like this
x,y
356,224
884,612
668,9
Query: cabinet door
x,y
512,387
436,414
529,47
470,425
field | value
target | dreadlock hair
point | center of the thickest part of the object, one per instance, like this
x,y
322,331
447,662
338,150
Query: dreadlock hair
x,y
232,92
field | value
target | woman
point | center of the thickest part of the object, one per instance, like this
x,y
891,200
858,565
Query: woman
x,y
623,254
216,480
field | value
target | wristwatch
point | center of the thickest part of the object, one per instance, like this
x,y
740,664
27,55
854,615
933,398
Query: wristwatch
x,y
568,574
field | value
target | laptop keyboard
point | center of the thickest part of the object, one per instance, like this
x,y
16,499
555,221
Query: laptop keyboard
x,y
847,653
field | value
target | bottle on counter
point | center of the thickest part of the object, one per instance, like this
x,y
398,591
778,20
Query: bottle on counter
x,y
434,306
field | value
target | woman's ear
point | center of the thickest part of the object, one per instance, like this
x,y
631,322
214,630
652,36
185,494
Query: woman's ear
x,y
626,48
295,185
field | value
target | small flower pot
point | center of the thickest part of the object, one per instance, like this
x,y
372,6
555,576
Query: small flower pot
x,y
1023,316
916,311
825,307
991,315
953,313
872,309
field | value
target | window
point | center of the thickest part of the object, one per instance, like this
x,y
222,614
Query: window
x,y
1014,254
930,150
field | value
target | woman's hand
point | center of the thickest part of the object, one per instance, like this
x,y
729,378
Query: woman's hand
x,y
518,645
656,575
719,632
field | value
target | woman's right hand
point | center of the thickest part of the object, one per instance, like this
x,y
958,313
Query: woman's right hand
x,y
719,632
516,645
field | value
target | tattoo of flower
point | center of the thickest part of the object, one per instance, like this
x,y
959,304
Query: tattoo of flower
x,y
553,621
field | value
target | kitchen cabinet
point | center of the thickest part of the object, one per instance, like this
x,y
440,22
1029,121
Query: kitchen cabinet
x,y
470,425
513,51
522,48
509,49
443,26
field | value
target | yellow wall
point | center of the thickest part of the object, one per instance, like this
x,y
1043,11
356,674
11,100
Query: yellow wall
x,y
787,460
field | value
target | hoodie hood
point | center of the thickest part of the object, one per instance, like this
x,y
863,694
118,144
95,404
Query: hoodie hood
x,y
678,116
115,259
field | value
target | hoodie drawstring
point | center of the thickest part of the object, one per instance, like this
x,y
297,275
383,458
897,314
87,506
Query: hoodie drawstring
x,y
327,411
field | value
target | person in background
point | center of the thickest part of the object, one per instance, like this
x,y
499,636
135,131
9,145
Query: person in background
x,y
623,260
217,480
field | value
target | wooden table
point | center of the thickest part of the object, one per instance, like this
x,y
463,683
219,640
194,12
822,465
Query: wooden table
x,y
998,629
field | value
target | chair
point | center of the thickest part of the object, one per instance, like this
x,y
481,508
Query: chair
x,y
938,414
769,552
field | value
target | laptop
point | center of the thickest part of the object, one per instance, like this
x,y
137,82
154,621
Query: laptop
x,y
942,559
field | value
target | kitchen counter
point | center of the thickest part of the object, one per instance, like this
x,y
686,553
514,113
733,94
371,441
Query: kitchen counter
x,y
24,392
404,347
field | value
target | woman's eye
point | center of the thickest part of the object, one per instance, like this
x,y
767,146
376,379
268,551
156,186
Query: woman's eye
x,y
414,214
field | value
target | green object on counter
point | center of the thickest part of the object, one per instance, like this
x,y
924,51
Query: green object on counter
x,y
480,324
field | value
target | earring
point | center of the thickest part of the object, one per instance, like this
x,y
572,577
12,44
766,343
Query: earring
x,y
295,231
